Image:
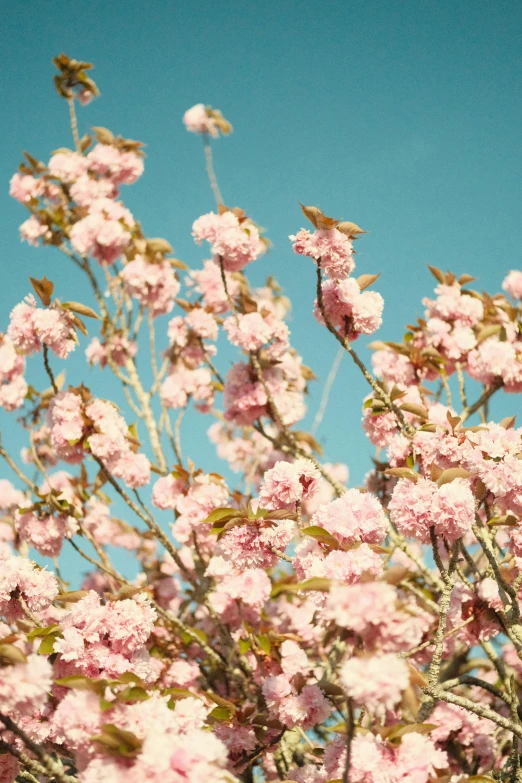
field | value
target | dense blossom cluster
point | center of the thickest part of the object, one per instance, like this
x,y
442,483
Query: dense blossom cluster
x,y
276,624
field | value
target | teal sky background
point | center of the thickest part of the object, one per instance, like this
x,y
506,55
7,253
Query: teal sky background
x,y
404,117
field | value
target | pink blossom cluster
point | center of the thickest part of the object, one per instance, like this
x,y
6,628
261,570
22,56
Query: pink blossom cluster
x,y
21,580
13,386
245,397
105,232
233,241
98,427
198,120
192,502
45,533
331,247
351,310
251,331
375,611
107,640
34,229
417,506
512,284
288,483
116,348
352,518
32,327
208,283
376,683
291,707
154,285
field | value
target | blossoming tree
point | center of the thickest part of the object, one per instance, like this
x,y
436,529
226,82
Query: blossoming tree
x,y
293,629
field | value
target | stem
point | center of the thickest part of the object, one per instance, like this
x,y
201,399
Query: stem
x,y
74,123
350,730
484,397
148,519
210,171
48,368
53,769
407,427
450,575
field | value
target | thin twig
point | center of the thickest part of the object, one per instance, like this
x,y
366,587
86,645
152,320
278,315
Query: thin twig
x,y
48,368
210,170
74,123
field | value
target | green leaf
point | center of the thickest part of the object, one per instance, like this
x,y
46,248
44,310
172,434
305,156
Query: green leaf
x,y
132,694
220,714
11,654
130,677
36,633
178,693
78,682
398,731
264,643
47,644
319,583
450,474
322,535
122,742
222,515
244,646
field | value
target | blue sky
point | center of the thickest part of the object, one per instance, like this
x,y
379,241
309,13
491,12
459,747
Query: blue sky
x,y
404,117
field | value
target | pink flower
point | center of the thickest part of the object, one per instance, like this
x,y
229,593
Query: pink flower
x,y
105,232
117,348
202,323
154,285
332,247
67,166
122,168
20,577
293,659
376,683
209,284
45,534
182,674
183,383
13,387
372,611
76,720
305,709
417,506
351,310
25,187
288,483
31,327
33,229
197,120
9,496
355,516
512,284
108,639
252,546
251,331
87,189
9,768
24,687
452,304
393,367
67,425
236,243
166,492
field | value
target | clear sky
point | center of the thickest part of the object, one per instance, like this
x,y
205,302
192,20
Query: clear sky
x,y
404,117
